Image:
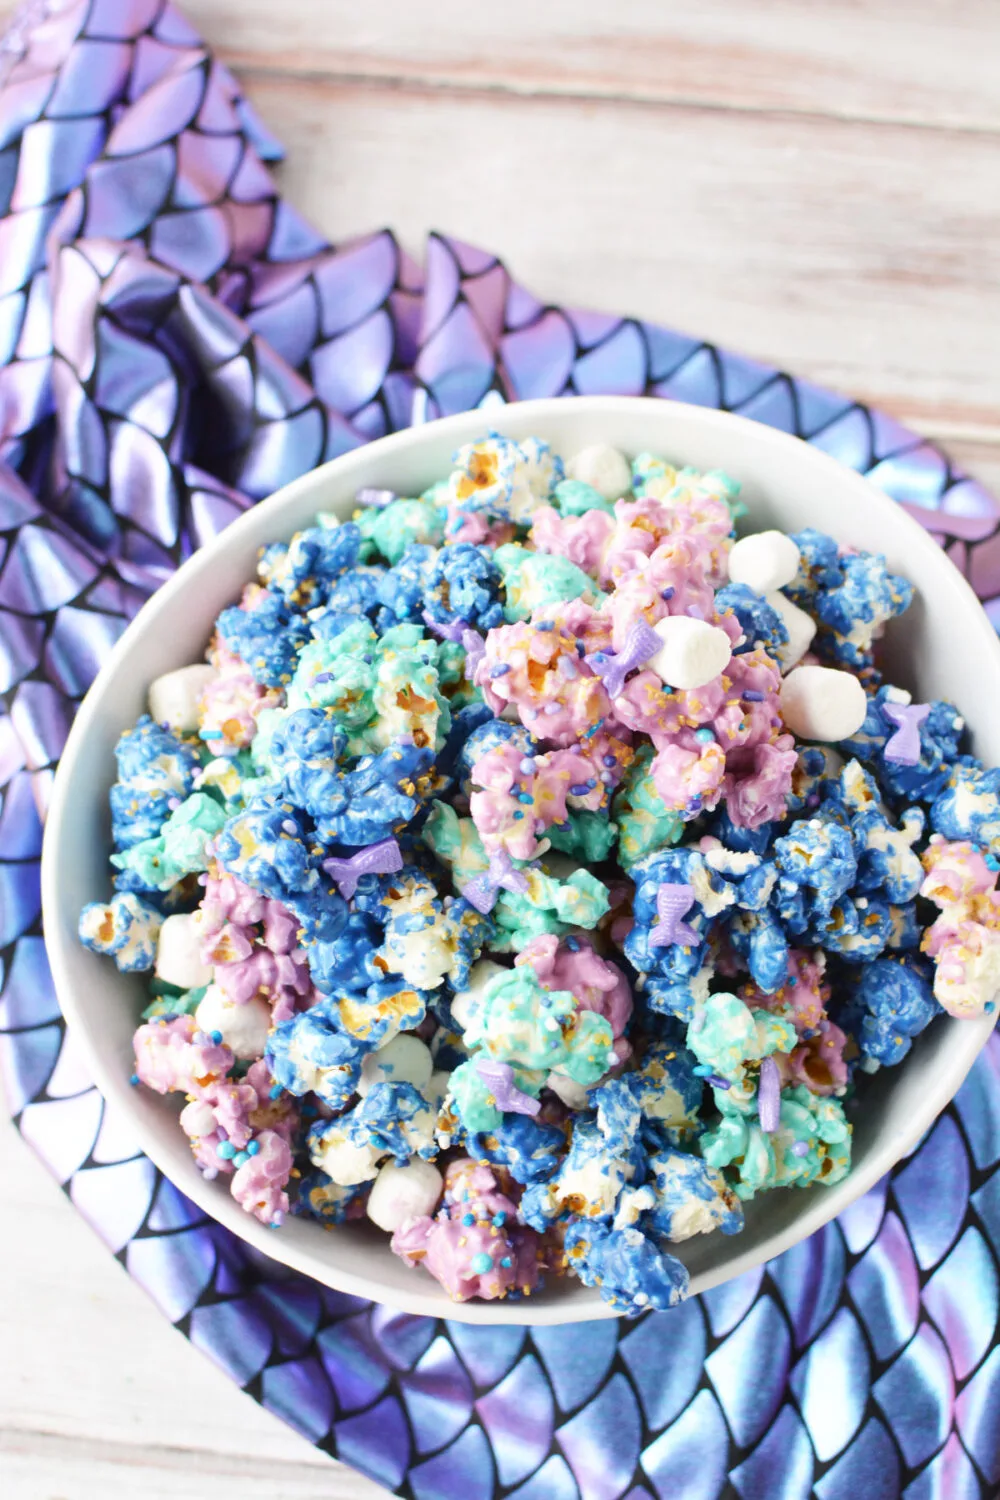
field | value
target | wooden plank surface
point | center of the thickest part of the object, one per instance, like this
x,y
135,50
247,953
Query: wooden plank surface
x,y
816,185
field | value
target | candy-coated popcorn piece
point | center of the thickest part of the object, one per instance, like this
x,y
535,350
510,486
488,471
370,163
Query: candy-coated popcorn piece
x,y
156,772
310,1054
177,1056
502,479
631,1271
396,526
330,1201
179,849
126,928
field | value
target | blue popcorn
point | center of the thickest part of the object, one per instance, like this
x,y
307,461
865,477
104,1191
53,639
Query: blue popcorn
x,y
379,1012
156,768
667,867
266,847
402,591
969,807
892,1001
344,960
125,928
886,858
690,1198
631,1272
760,622
394,1119
464,723
326,1200
667,1091
267,637
816,866
759,939
356,593
310,1054
304,571
853,614
463,584
941,735
493,734
858,928
815,769
905,931
739,840
590,1177
819,568
529,1148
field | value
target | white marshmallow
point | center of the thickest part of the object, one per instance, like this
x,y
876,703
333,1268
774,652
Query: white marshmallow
x,y
602,467
406,1059
402,1193
693,652
820,703
178,952
572,1094
244,1028
765,561
464,1003
174,697
800,626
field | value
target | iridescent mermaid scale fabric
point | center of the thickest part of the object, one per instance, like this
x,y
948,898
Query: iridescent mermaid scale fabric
x,y
175,343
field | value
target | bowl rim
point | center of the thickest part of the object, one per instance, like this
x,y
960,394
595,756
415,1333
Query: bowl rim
x,y
550,1308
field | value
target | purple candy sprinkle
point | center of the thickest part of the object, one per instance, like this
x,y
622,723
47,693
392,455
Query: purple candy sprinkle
x,y
904,746
482,892
613,667
800,1148
383,858
672,903
450,632
752,696
376,498
769,1096
499,1079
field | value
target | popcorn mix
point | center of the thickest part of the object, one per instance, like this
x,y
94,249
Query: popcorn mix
x,y
537,870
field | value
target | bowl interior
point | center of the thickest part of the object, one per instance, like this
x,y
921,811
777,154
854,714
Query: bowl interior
x,y
943,647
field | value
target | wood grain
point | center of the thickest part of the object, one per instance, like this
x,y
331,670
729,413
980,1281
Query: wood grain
x,y
101,1398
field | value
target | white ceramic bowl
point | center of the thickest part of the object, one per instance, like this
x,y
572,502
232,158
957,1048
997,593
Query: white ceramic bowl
x,y
943,647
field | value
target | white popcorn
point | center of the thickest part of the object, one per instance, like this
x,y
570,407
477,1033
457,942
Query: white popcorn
x,y
602,467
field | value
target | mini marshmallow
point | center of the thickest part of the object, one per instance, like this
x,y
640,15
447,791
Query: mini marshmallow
x,y
402,1193
602,467
244,1028
764,562
800,626
571,1093
178,952
406,1059
693,652
175,698
820,703
465,1001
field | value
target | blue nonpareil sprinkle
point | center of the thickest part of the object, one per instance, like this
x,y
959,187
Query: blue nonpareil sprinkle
x,y
717,1082
468,1219
481,1263
752,696
134,1080
667,593
500,670
580,790
506,1262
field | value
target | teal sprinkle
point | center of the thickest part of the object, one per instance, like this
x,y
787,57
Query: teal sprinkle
x,y
253,1148
481,1263
226,1150
134,1080
506,1262
704,736
216,1037
468,1218
240,1159
499,1220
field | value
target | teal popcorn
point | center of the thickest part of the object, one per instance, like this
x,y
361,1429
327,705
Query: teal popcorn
x,y
180,848
519,1021
645,823
571,497
760,1160
125,928
470,1096
586,836
536,580
400,524
731,1039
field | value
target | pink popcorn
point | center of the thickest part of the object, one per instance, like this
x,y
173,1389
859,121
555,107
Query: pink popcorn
x,y
572,964
281,978
964,941
688,775
232,701
757,781
280,1115
543,675
518,797
176,1056
221,1112
473,527
582,539
670,582
227,899
488,1257
259,1184
819,1063
802,998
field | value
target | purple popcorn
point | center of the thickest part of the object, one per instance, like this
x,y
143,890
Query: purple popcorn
x,y
499,1078
904,746
641,643
383,858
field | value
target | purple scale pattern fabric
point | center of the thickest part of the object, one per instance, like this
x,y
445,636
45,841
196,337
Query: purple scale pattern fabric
x,y
176,342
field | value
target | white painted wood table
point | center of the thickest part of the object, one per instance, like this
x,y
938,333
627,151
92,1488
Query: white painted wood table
x,y
817,185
